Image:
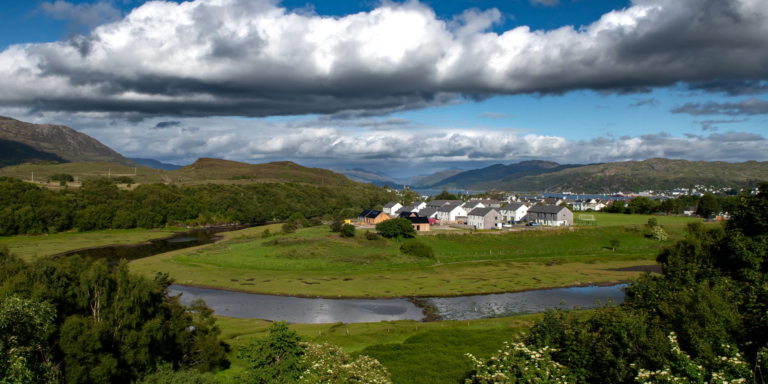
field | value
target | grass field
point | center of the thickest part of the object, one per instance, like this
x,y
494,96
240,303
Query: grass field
x,y
413,352
617,219
313,262
29,246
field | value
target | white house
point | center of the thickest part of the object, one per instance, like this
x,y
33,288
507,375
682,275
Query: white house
x,y
391,207
513,212
450,213
417,206
483,218
595,206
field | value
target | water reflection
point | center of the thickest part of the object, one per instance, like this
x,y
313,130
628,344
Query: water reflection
x,y
300,310
304,310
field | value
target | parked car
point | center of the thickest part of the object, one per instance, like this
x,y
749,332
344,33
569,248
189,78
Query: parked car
x,y
533,224
507,225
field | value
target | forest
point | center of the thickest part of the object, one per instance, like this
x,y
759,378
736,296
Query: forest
x,y
100,204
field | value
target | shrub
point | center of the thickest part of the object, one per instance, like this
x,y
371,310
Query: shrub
x,y
123,180
615,243
417,249
348,230
62,177
658,234
337,224
266,234
315,222
166,375
395,228
518,363
370,235
653,223
289,227
274,358
330,364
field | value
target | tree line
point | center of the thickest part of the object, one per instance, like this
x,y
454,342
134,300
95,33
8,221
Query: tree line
x,y
99,204
704,205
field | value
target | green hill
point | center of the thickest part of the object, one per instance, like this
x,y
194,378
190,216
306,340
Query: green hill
x,y
470,179
48,142
653,174
434,178
202,171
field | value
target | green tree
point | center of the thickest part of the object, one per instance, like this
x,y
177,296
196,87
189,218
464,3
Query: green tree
x,y
445,195
337,223
395,228
707,206
653,222
25,356
348,230
266,234
615,243
274,358
289,227
166,375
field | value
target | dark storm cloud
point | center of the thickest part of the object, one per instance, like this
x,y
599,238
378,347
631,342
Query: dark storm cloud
x,y
167,124
753,106
253,58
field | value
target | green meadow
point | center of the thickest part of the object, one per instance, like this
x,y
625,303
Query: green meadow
x,y
613,219
413,352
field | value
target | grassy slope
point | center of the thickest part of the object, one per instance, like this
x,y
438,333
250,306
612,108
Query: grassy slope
x,y
636,176
202,171
404,347
348,268
30,246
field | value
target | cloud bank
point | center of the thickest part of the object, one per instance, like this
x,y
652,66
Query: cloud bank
x,y
255,58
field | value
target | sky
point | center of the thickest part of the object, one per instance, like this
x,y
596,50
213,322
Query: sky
x,y
402,87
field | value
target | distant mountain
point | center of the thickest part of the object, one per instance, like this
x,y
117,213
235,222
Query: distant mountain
x,y
154,164
47,142
362,175
470,179
435,178
636,176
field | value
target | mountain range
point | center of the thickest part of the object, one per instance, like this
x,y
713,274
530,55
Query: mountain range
x,y
26,148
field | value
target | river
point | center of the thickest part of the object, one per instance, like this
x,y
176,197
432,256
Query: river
x,y
306,310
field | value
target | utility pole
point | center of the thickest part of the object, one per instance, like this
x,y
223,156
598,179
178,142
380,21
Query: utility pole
x,y
33,176
110,173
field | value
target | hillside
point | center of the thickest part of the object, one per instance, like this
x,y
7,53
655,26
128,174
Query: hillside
x,y
154,164
200,172
635,176
58,141
426,181
470,179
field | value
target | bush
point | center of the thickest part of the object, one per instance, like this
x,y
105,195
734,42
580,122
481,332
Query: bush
x,y
289,227
518,363
62,177
615,243
348,230
395,228
266,234
653,223
166,375
315,222
417,249
337,224
275,358
330,364
658,234
370,235
123,180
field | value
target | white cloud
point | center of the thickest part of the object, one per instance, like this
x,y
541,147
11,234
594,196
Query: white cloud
x,y
255,58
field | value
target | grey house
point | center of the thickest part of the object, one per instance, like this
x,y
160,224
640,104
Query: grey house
x,y
550,215
483,218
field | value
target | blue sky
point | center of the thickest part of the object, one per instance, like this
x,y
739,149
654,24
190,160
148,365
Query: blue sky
x,y
602,92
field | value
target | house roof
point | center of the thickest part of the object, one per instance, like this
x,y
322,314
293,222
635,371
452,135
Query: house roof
x,y
512,207
418,220
482,212
546,209
448,208
407,214
472,204
391,204
370,213
427,212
